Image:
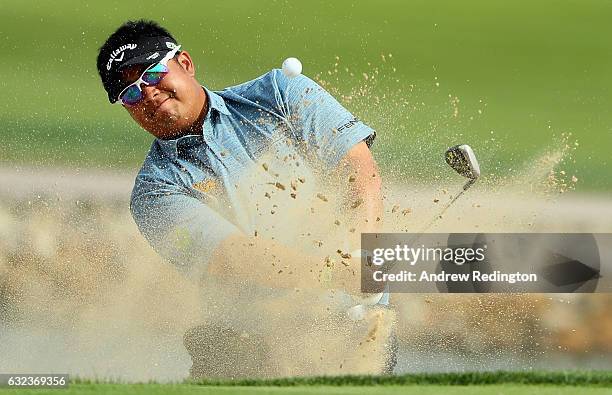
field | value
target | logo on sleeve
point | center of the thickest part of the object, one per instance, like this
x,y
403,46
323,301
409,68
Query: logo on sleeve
x,y
349,124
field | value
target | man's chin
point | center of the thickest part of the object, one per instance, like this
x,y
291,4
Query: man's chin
x,y
166,133
170,130
167,125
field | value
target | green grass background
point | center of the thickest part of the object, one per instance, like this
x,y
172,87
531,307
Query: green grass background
x,y
154,389
534,70
508,383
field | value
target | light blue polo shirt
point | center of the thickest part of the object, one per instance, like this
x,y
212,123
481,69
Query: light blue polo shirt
x,y
185,199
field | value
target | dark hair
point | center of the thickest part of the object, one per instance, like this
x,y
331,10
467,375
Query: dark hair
x,y
129,31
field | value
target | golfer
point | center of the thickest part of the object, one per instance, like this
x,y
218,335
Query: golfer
x,y
188,197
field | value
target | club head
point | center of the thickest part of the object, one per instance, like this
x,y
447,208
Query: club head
x,y
463,160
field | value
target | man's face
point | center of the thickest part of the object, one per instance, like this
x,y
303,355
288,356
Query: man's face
x,y
171,106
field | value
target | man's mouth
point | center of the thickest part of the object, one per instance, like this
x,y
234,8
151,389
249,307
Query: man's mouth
x,y
154,111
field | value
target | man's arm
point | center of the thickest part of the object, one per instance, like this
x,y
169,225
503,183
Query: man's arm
x,y
364,197
200,242
274,265
265,262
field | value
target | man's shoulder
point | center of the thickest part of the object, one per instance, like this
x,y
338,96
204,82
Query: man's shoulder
x,y
251,86
270,84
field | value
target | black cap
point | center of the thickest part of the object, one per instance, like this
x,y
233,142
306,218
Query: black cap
x,y
147,51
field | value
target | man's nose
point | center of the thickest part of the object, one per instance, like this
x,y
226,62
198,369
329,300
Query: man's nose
x,y
149,91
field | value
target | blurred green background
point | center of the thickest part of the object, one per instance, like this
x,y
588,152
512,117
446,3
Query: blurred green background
x,y
508,78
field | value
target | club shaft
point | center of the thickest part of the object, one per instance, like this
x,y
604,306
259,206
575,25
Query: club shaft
x,y
438,216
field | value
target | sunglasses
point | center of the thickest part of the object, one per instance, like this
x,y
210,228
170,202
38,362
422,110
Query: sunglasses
x,y
153,75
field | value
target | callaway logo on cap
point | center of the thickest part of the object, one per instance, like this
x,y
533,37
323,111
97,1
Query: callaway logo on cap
x,y
117,54
145,51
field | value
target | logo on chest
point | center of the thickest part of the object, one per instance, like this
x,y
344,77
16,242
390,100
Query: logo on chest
x,y
206,186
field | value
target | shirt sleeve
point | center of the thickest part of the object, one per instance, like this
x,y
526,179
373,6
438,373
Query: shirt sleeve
x,y
320,121
179,227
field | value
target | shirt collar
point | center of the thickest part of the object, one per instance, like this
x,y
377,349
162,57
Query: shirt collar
x,y
215,102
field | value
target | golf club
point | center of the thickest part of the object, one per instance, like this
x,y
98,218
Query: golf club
x,y
462,159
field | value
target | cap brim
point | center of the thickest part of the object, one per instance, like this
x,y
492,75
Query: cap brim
x,y
146,59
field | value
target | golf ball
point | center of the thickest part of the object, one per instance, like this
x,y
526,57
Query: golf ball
x,y
292,67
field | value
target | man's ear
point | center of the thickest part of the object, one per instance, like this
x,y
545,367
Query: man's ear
x,y
184,60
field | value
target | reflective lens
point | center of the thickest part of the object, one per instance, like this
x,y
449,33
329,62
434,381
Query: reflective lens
x,y
131,95
155,74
